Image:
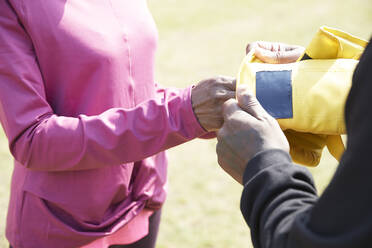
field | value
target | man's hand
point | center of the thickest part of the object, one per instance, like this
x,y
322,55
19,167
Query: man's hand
x,y
247,130
275,53
207,99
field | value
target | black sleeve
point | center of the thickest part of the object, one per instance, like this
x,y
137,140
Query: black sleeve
x,y
279,200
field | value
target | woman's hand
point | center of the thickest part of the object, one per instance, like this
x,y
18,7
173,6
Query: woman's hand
x,y
275,53
207,98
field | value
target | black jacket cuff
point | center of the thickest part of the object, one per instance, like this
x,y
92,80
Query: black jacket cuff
x,y
263,160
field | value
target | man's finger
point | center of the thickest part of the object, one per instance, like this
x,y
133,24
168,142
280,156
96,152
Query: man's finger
x,y
249,103
229,108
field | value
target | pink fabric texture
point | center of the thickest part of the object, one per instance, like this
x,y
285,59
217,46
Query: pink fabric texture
x,y
85,121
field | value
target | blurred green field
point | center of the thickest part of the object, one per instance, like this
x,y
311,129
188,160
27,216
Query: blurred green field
x,y
199,39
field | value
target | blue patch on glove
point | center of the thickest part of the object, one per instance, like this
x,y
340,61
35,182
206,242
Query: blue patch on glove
x,y
274,92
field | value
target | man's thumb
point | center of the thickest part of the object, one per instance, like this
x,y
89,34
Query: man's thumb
x,y
249,103
229,108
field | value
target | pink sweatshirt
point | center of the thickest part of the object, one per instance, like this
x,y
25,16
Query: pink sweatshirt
x,y
86,123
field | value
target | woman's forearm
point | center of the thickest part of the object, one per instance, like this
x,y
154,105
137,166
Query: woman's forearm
x,y
42,140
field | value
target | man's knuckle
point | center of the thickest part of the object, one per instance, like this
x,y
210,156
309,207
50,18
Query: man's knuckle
x,y
269,120
228,103
251,103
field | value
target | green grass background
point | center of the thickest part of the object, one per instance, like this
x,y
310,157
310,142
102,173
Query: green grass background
x,y
199,39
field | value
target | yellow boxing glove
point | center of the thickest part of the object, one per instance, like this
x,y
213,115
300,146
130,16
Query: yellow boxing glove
x,y
308,97
306,148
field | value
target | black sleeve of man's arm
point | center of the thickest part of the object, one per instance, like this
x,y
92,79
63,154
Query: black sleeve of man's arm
x,y
279,201
280,205
275,193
